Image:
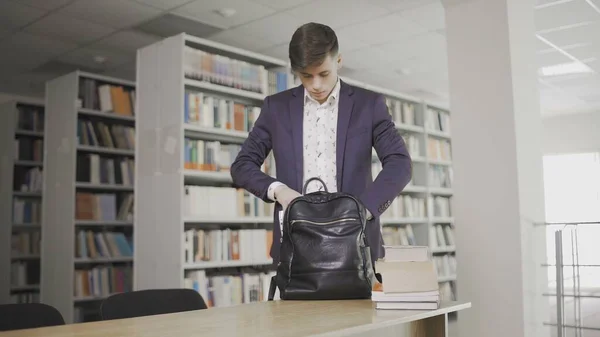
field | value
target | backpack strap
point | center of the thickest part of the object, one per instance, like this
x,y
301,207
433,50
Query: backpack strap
x,y
272,288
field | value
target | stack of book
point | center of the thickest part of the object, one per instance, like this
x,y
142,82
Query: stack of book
x,y
409,279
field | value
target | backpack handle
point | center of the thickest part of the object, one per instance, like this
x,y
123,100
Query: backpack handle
x,y
311,179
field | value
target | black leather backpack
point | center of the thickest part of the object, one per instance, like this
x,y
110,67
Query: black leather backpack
x,y
324,253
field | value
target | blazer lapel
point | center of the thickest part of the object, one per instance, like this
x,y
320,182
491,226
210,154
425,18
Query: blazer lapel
x,y
346,104
296,110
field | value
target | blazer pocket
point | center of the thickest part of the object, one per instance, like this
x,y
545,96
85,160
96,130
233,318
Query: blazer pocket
x,y
356,132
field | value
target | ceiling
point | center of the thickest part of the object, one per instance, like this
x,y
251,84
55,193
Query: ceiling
x,y
42,39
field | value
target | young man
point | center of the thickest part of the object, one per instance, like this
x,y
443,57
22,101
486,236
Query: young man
x,y
323,128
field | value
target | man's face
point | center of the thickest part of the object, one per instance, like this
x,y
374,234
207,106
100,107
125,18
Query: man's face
x,y
319,80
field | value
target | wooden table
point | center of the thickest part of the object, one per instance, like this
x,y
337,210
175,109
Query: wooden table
x,y
265,319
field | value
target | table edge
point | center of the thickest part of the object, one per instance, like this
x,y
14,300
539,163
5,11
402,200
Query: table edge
x,y
401,320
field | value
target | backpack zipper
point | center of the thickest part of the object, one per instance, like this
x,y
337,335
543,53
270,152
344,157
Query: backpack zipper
x,y
324,223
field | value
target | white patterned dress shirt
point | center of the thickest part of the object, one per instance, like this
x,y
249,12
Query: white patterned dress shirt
x,y
318,139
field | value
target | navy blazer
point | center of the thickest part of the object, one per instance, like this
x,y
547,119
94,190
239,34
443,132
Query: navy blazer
x,y
363,123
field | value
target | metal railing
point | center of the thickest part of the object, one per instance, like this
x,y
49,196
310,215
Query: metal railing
x,y
567,235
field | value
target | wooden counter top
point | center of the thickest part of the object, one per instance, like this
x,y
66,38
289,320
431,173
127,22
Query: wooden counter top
x,y
261,319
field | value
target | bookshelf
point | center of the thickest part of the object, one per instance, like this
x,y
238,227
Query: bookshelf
x,y
421,214
88,192
439,184
22,129
193,227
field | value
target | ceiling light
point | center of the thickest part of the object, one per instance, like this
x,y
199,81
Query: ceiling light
x,y
553,3
226,12
565,69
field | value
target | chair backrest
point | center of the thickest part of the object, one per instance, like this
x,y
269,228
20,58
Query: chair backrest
x,y
28,316
150,302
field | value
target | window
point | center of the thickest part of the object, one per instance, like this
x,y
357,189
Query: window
x,y
572,192
572,187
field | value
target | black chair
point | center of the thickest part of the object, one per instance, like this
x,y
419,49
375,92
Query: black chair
x,y
150,302
28,316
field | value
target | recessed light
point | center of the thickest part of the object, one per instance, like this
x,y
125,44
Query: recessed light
x,y
226,12
553,3
565,69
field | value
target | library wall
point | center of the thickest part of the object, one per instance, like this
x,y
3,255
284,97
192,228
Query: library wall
x,y
571,133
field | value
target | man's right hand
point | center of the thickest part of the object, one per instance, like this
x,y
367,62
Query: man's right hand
x,y
284,195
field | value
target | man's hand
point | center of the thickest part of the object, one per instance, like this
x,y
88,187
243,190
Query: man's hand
x,y
284,195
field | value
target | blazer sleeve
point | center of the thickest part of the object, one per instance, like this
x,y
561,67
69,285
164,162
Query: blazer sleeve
x,y
246,168
396,162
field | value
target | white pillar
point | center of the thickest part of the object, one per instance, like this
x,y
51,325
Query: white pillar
x,y
497,156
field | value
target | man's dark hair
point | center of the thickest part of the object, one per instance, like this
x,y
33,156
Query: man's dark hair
x,y
310,45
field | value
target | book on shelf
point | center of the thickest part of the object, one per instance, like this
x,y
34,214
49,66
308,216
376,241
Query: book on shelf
x,y
441,236
447,291
201,65
28,179
406,206
413,144
409,279
25,297
399,236
207,202
106,97
94,245
439,149
27,211
102,281
220,245
438,120
103,206
98,169
205,155
116,99
440,206
205,110
26,243
402,112
440,176
215,156
445,265
105,134
23,275
30,117
29,149
226,290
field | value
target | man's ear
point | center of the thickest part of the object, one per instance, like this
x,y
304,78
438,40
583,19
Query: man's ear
x,y
339,61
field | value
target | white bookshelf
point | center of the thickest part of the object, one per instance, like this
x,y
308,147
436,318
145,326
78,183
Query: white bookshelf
x,y
21,150
186,199
88,192
424,205
440,183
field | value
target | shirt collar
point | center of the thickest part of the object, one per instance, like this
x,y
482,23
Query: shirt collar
x,y
332,97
